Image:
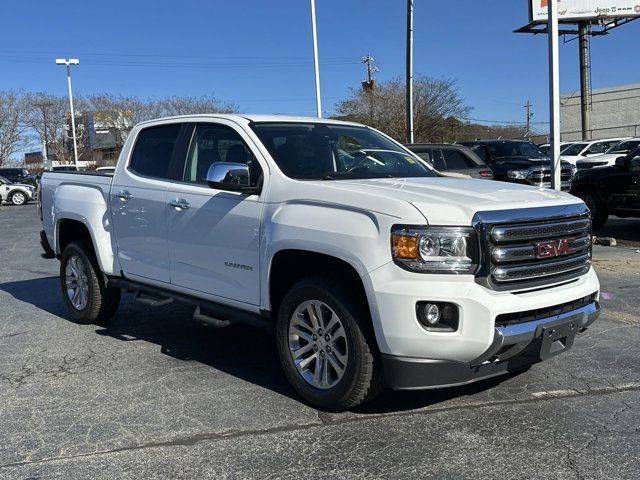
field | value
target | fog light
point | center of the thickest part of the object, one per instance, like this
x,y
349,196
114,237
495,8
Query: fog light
x,y
432,313
441,316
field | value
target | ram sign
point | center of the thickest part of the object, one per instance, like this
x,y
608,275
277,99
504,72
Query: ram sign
x,y
572,10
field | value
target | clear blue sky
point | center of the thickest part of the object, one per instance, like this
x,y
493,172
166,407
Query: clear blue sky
x,y
257,53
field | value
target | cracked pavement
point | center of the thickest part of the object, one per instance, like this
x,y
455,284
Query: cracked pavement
x,y
156,395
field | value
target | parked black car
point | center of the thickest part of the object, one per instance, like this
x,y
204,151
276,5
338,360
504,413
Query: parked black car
x,y
15,175
519,161
611,190
445,157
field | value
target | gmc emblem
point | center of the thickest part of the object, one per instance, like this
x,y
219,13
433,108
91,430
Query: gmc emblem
x,y
554,248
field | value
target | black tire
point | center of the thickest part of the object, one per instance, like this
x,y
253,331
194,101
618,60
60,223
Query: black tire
x,y
101,302
597,206
362,378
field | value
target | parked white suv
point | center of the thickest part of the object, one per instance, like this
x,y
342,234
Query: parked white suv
x,y
608,159
371,267
581,150
16,193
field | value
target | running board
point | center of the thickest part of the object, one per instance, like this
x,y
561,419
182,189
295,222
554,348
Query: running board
x,y
215,314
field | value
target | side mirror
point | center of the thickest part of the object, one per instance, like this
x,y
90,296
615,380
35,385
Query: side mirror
x,y
229,176
585,154
620,162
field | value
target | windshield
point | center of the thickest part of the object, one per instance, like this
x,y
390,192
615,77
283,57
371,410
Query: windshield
x,y
322,151
624,147
574,149
514,149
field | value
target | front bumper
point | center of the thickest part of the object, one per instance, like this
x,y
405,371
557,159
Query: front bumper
x,y
514,348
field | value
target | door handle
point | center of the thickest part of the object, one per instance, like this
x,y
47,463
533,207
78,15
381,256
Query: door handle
x,y
180,204
124,195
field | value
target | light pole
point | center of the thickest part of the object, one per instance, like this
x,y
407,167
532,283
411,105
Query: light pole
x,y
409,75
314,33
554,95
68,62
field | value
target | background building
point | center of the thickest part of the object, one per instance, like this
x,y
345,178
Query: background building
x,y
615,112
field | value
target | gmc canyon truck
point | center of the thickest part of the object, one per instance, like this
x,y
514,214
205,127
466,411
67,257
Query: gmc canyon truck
x,y
372,268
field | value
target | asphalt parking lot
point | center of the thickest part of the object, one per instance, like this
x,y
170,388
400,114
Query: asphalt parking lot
x,y
156,395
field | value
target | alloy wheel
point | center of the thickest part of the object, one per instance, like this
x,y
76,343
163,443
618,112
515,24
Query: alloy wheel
x,y
77,283
318,344
18,198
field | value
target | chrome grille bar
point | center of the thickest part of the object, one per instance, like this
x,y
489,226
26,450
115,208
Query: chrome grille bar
x,y
518,253
538,270
538,230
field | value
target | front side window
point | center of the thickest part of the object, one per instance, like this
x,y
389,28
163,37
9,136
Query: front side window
x,y
153,150
213,144
514,149
624,147
574,149
325,151
596,148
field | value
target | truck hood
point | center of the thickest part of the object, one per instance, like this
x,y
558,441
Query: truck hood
x,y
454,201
605,157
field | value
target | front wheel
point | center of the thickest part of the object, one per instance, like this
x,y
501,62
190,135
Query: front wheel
x,y
326,347
18,198
83,289
596,206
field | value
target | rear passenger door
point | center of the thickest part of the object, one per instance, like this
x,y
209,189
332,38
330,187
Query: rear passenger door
x,y
214,235
138,204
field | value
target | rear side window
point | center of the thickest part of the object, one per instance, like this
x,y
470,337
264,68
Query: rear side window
x,y
456,160
153,150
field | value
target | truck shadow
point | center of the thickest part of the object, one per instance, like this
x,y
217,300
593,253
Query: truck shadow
x,y
244,352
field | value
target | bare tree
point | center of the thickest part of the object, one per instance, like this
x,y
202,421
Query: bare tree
x,y
12,125
48,116
435,102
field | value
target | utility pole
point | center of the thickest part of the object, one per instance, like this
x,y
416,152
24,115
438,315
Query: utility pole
x,y
314,33
369,84
528,106
409,74
68,62
585,79
554,94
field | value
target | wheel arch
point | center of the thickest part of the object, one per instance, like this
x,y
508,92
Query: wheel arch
x,y
291,265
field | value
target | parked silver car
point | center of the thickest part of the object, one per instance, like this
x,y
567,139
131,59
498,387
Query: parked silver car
x,y
16,193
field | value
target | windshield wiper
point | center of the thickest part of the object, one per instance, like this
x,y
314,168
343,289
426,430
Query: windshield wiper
x,y
328,177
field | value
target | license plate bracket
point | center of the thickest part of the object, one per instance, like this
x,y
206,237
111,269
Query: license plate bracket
x,y
556,338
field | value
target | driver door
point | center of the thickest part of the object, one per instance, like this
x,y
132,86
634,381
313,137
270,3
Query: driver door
x,y
214,235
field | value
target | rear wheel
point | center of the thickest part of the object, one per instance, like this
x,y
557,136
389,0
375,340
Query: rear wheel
x,y
18,198
83,289
326,348
596,206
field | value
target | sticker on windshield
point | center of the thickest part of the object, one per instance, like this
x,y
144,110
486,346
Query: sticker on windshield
x,y
409,159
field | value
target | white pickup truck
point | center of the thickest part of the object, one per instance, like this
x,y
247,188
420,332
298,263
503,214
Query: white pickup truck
x,y
372,268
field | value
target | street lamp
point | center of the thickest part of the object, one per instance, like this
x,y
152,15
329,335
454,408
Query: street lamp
x,y
314,34
68,62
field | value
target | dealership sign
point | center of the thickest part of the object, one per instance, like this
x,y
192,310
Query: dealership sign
x,y
585,9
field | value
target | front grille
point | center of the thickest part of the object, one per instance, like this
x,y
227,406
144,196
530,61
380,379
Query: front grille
x,y
591,164
506,319
536,253
542,177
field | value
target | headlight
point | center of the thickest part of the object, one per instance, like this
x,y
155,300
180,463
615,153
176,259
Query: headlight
x,y
435,249
518,174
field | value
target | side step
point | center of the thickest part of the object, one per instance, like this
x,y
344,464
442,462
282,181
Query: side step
x,y
152,301
211,313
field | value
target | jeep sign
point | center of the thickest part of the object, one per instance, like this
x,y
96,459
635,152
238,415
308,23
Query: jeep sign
x,y
572,10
